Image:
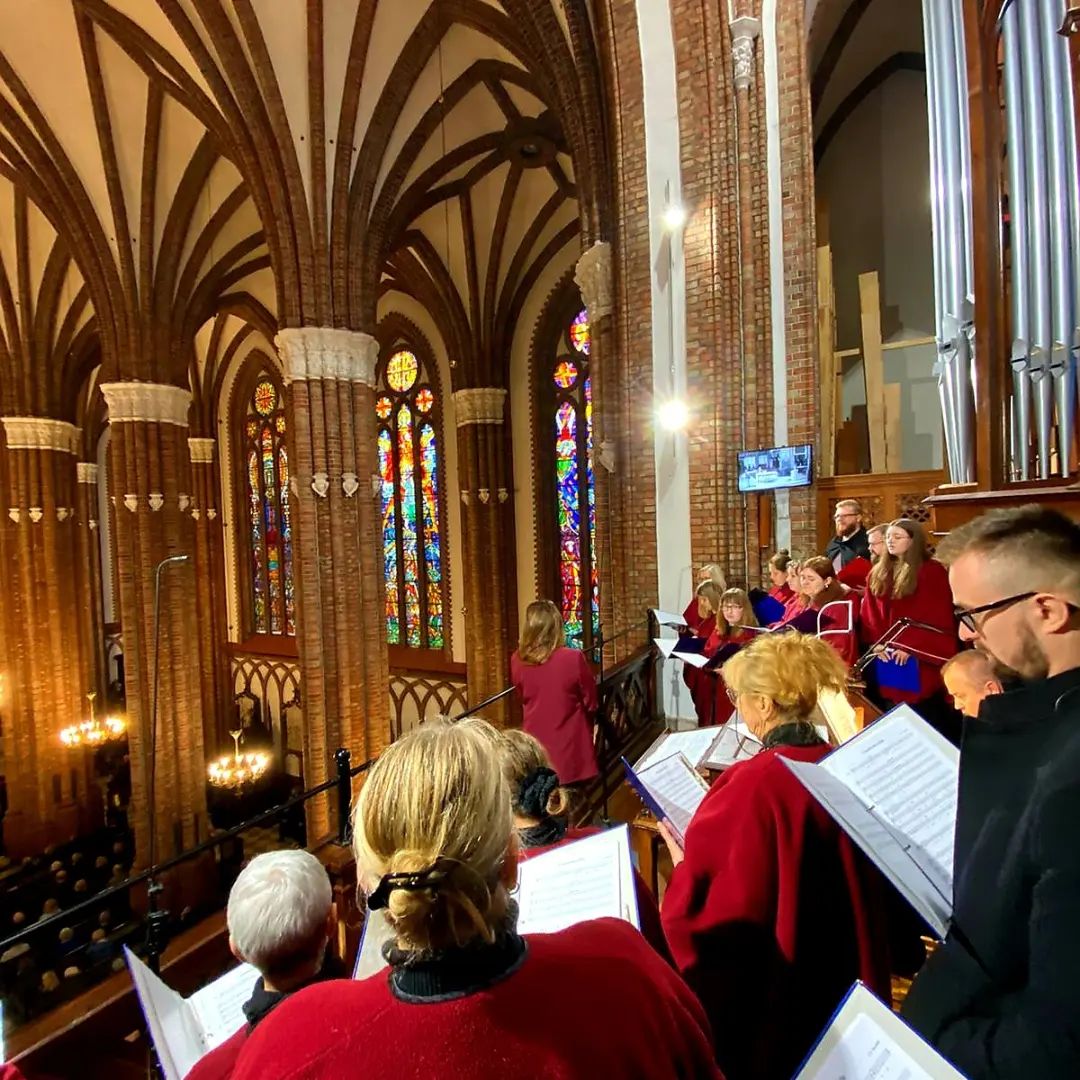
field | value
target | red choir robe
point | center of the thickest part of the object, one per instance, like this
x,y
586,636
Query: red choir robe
x,y
782,592
220,1062
697,681
691,616
772,915
930,603
591,1001
856,572
560,700
835,618
794,605
711,700
648,909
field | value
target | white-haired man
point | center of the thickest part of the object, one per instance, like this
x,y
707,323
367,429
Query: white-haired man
x,y
1000,998
280,916
971,677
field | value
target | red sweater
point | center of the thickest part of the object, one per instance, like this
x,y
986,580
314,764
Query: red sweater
x,y
648,909
560,701
591,1001
930,603
220,1062
772,915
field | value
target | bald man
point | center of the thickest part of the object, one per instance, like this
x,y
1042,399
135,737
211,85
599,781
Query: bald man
x,y
971,677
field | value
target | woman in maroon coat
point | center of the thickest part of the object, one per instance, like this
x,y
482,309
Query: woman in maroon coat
x,y
771,912
465,995
840,620
907,582
558,689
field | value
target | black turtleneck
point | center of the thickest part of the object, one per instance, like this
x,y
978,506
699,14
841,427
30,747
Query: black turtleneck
x,y
548,830
795,733
426,978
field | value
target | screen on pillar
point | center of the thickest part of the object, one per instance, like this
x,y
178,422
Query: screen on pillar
x,y
775,467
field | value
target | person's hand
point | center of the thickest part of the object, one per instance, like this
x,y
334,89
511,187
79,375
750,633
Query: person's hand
x,y
673,845
900,656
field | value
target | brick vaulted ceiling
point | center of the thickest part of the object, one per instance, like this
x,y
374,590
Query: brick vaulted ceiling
x,y
287,163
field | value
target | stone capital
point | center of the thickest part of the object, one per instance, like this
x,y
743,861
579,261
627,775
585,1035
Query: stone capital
x,y
479,405
744,32
86,472
201,451
39,433
149,403
594,279
324,352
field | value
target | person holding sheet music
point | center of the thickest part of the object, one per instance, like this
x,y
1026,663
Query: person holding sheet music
x,y
778,578
280,915
821,586
771,912
540,809
734,628
559,693
464,994
693,616
907,583
1001,998
699,683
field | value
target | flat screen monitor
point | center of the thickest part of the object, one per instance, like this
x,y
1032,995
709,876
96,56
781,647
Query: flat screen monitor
x,y
776,467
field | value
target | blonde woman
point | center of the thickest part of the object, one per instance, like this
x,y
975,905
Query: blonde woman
x,y
701,683
771,913
733,620
558,690
714,575
465,995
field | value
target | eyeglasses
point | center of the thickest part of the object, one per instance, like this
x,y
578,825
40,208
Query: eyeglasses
x,y
845,514
966,616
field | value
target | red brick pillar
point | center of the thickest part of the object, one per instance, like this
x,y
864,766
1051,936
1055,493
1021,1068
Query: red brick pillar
x,y
217,699
487,526
49,670
88,575
150,483
340,586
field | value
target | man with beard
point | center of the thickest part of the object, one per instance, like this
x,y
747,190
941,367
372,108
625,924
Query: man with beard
x,y
850,539
1000,998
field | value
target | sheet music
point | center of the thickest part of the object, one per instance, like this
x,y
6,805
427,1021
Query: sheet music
x,y
667,647
730,748
174,1029
666,618
867,1041
219,1006
697,744
908,774
839,713
591,878
377,932
891,853
677,788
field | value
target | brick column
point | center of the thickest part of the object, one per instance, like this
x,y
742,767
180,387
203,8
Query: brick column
x,y
217,701
487,527
88,574
48,669
330,375
150,479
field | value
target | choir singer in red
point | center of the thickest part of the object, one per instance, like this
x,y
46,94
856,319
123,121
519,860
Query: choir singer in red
x,y
771,913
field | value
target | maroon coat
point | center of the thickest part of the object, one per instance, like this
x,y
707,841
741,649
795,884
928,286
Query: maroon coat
x,y
590,1001
772,915
648,910
560,702
930,603
220,1062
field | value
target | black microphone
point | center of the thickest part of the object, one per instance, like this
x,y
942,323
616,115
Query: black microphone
x,y
925,626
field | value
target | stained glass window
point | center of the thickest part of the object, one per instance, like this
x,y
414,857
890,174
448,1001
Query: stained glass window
x,y
269,524
408,456
575,490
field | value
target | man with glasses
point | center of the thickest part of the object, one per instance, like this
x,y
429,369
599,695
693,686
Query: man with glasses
x,y
850,539
1001,997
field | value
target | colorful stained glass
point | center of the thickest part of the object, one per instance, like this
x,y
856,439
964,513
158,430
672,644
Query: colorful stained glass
x,y
286,541
252,428
590,487
566,373
432,542
258,573
402,369
410,562
569,516
389,534
383,408
580,335
265,400
279,423
425,399
270,534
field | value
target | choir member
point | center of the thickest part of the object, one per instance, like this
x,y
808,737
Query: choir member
x,y
907,582
541,809
464,994
796,601
778,576
840,620
771,912
733,628
709,572
280,916
698,681
850,539
875,541
970,677
558,690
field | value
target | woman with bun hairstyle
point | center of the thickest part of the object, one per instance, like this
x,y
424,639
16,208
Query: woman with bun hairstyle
x,y
771,912
558,690
541,821
778,576
465,995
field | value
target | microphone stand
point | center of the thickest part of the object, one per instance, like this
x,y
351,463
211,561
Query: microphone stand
x,y
157,919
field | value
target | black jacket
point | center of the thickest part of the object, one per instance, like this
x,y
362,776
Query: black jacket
x,y
1001,997
848,547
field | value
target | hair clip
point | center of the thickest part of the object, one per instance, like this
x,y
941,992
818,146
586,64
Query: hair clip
x,y
430,878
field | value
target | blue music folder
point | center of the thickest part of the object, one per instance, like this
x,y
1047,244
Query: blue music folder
x,y
768,610
690,643
894,676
